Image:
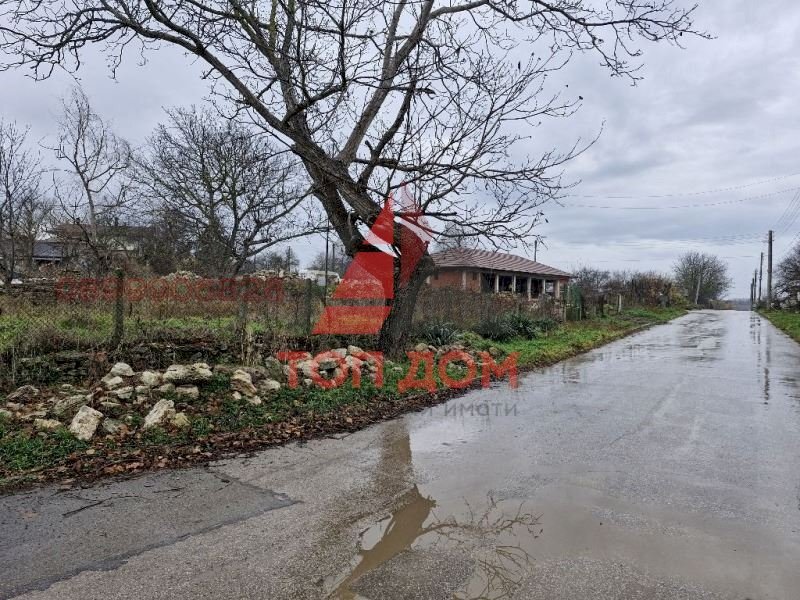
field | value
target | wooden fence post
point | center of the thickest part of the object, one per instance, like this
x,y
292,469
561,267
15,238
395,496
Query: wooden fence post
x,y
242,316
308,309
119,309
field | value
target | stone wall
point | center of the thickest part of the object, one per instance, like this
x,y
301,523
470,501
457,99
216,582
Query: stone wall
x,y
83,367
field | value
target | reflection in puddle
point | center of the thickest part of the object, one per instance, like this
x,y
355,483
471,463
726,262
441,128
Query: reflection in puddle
x,y
701,337
491,537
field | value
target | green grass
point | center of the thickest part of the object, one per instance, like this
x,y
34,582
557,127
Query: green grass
x,y
575,337
22,452
786,321
77,331
54,330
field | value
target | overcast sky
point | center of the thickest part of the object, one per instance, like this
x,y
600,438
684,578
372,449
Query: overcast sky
x,y
713,129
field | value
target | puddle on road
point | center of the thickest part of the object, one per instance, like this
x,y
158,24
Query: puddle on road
x,y
492,540
486,542
702,339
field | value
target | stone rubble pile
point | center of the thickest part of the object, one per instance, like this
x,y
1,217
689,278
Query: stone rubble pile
x,y
124,400
330,367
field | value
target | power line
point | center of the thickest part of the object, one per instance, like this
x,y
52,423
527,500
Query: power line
x,y
686,194
680,206
786,211
791,215
736,240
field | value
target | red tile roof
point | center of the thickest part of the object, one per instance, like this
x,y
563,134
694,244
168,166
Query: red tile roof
x,y
492,261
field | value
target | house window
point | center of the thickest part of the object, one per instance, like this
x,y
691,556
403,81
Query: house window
x,y
436,276
474,277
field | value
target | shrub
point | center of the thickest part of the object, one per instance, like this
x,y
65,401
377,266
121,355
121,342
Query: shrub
x,y
545,324
470,339
496,328
501,328
523,325
438,333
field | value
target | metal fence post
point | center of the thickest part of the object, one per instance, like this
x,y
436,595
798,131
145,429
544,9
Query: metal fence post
x,y
307,306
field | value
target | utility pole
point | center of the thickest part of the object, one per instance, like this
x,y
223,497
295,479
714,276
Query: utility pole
x,y
769,271
755,289
760,277
699,282
288,261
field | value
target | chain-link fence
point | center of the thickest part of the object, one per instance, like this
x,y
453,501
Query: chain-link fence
x,y
465,309
241,319
89,314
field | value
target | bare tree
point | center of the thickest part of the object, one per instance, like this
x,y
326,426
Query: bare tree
x,y
273,260
236,191
22,208
456,235
170,241
703,277
592,283
94,192
787,283
290,261
337,261
436,95
35,217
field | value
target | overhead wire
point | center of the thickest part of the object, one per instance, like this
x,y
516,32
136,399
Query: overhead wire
x,y
734,240
687,194
790,219
679,206
789,208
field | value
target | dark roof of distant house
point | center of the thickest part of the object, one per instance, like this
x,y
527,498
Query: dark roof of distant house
x,y
42,249
492,261
47,250
79,230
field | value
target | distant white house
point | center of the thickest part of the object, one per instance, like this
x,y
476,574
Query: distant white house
x,y
319,276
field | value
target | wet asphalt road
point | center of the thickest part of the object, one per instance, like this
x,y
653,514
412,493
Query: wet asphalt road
x,y
665,465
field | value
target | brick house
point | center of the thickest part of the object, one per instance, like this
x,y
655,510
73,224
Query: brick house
x,y
495,272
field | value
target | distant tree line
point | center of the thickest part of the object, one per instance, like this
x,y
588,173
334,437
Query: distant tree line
x,y
697,279
787,284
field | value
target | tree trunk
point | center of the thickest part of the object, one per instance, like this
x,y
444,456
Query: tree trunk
x,y
396,328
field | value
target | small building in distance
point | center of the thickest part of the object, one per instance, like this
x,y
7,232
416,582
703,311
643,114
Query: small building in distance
x,y
47,252
495,272
318,276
